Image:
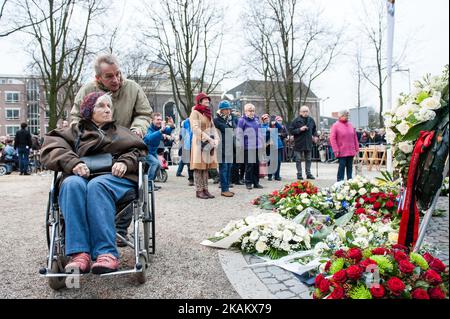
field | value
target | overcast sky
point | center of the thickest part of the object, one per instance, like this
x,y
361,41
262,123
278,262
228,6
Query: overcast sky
x,y
427,21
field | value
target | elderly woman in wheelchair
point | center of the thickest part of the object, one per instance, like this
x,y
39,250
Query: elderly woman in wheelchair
x,y
87,200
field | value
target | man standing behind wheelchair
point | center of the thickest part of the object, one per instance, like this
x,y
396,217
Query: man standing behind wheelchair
x,y
88,201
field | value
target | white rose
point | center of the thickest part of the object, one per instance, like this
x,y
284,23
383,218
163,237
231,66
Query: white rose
x,y
360,184
402,111
261,246
306,201
406,147
403,128
431,103
263,238
287,235
320,247
299,208
285,246
362,191
341,232
361,242
339,197
297,239
245,240
277,234
393,237
304,195
362,232
254,235
426,115
300,231
375,190
390,136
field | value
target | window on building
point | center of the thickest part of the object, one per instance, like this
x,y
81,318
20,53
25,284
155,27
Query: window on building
x,y
12,97
12,114
12,129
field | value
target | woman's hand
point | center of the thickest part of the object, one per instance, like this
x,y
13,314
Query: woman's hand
x,y
119,169
81,170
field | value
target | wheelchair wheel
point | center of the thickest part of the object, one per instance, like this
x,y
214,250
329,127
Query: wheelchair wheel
x,y
57,283
3,170
163,176
141,276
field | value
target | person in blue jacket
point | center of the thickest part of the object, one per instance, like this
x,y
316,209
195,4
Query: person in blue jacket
x,y
276,124
153,139
185,150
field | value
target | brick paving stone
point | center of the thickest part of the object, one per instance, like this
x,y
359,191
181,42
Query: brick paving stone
x,y
265,274
269,281
276,287
291,282
284,294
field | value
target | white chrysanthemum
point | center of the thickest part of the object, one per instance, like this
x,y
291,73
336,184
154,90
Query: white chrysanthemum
x,y
403,128
406,147
362,191
261,246
375,190
299,208
306,201
431,103
304,195
320,247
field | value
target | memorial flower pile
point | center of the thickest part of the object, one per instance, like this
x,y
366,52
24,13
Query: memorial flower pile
x,y
291,190
377,206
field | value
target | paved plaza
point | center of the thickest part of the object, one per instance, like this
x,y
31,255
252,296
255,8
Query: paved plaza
x,y
181,267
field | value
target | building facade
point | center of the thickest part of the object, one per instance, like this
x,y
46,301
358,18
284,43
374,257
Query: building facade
x,y
22,99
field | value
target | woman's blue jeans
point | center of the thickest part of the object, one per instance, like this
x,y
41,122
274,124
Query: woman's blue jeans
x,y
89,210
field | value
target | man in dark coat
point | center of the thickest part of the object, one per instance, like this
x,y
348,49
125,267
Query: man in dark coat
x,y
23,143
303,128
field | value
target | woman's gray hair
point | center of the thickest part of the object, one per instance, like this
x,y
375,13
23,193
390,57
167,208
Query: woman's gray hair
x,y
104,98
104,58
343,113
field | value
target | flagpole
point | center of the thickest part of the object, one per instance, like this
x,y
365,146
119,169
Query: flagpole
x,y
390,48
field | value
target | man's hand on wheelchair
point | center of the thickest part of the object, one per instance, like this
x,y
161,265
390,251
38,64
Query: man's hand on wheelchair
x,y
81,170
119,169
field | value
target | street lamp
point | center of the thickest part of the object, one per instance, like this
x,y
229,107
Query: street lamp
x,y
321,103
409,76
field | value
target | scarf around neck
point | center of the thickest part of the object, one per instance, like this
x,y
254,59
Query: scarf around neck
x,y
204,110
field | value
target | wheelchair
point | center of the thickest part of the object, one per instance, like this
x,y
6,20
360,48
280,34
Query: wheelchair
x,y
138,204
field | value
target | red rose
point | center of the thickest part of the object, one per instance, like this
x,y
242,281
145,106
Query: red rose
x,y
354,253
366,200
389,204
340,253
432,277
328,265
338,293
405,266
400,255
377,291
436,293
372,200
318,280
324,286
354,272
419,293
379,251
437,265
340,276
396,286
382,195
367,262
428,257
377,205
360,210
358,205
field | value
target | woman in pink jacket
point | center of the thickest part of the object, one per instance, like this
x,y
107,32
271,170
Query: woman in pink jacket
x,y
345,144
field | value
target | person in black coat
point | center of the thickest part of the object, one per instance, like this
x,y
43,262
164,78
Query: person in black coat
x,y
225,125
23,143
303,128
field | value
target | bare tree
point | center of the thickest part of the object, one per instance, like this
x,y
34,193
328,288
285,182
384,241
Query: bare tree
x,y
187,37
60,49
374,65
300,49
15,19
